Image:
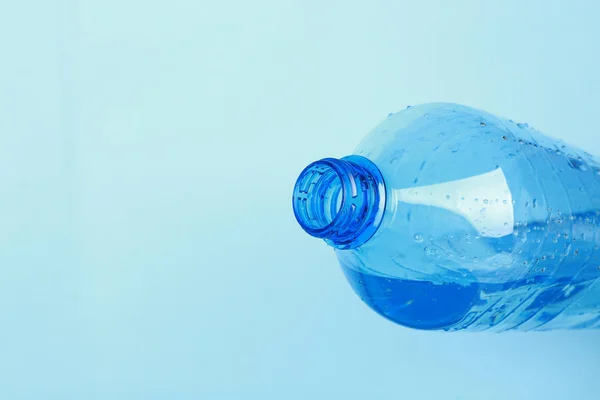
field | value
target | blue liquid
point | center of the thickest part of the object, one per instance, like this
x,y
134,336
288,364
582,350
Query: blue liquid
x,y
415,304
428,306
483,223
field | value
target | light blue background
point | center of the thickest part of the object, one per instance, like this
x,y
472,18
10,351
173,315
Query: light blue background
x,y
147,155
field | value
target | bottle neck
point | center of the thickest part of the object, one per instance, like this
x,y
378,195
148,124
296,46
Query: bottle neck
x,y
340,200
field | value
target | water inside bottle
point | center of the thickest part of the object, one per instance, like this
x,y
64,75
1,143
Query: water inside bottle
x,y
559,290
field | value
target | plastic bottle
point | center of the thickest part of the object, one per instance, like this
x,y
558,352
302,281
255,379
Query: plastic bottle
x,y
447,217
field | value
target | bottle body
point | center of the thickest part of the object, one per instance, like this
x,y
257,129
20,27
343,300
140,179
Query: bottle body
x,y
488,225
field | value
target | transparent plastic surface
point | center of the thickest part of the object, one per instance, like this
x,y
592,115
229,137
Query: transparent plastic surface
x,y
487,224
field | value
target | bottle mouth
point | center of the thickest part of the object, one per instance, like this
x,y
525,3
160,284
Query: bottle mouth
x,y
319,197
340,200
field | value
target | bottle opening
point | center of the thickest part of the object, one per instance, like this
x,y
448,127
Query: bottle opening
x,y
340,200
319,198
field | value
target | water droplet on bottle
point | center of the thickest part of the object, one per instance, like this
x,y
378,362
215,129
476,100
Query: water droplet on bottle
x,y
447,197
534,203
522,125
407,107
476,200
482,123
504,202
555,240
360,282
559,221
462,198
418,238
486,201
475,259
390,114
504,137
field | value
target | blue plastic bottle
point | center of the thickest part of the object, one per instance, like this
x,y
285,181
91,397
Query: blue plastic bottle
x,y
447,217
